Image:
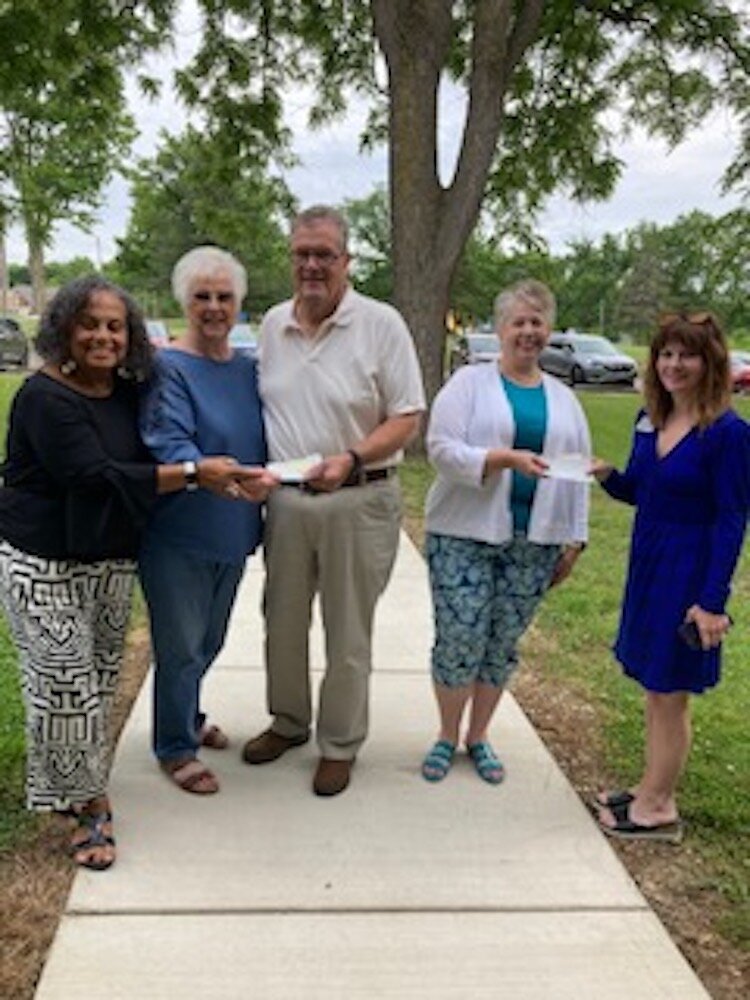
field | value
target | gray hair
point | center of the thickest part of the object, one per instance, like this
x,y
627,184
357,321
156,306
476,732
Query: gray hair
x,y
206,262
531,292
324,213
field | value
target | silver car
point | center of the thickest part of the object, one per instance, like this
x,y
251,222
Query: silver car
x,y
476,347
584,357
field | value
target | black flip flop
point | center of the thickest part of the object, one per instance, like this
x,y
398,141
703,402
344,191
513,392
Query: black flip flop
x,y
626,829
613,800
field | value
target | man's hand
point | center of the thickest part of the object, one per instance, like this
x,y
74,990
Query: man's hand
x,y
329,474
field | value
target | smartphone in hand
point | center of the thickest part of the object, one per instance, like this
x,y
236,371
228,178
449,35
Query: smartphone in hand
x,y
690,635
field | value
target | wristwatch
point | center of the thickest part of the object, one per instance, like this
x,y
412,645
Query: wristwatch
x,y
357,464
191,476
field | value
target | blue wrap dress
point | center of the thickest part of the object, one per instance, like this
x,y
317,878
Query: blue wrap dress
x,y
691,511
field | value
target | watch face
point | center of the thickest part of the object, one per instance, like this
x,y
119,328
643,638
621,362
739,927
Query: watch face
x,y
191,475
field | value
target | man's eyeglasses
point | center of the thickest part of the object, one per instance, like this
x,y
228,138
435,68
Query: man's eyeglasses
x,y
221,297
323,257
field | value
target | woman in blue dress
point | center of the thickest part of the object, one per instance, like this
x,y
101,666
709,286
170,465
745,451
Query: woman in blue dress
x,y
688,476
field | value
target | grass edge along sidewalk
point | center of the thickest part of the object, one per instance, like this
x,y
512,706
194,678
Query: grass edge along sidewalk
x,y
569,648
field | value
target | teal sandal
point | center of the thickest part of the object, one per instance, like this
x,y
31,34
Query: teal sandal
x,y
438,761
487,764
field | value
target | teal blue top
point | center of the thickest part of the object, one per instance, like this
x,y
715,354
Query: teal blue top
x,y
529,406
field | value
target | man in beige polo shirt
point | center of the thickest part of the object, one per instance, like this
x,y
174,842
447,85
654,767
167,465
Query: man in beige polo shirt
x,y
339,377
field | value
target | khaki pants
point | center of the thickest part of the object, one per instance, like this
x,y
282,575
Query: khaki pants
x,y
341,545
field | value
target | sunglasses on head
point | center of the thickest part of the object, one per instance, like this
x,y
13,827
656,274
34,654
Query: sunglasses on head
x,y
695,319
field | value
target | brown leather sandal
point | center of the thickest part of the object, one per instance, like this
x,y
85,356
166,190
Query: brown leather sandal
x,y
191,775
87,853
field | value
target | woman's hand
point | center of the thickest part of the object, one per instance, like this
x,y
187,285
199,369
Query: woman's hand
x,y
566,562
217,472
253,483
527,462
226,477
600,469
711,627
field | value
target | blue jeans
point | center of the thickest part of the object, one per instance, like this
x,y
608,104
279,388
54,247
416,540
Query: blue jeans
x,y
189,601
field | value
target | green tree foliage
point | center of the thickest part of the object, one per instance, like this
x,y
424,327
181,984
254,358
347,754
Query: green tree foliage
x,y
616,286
589,284
369,221
57,273
198,190
64,125
541,79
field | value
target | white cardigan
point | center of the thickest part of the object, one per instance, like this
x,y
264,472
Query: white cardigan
x,y
470,415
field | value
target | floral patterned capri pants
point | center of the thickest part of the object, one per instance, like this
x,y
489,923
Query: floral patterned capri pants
x,y
484,597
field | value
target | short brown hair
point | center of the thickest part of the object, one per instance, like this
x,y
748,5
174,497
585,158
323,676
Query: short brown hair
x,y
700,334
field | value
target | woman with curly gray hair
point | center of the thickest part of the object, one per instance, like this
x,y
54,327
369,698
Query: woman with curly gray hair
x,y
78,488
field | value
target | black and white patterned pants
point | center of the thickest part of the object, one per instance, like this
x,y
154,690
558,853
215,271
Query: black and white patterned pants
x,y
68,622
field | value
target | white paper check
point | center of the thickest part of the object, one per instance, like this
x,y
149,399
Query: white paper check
x,y
572,467
296,469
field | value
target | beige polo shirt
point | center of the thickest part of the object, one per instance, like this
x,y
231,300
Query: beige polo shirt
x,y
327,393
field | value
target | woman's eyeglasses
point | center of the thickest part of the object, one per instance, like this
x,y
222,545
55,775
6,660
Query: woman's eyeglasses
x,y
223,298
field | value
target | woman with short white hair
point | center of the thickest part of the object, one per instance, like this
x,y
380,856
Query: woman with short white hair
x,y
204,400
499,532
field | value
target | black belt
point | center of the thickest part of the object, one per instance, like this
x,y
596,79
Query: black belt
x,y
369,476
360,478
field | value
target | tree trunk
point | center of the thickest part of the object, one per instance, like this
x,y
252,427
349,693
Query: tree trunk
x,y
36,267
431,224
415,37
3,274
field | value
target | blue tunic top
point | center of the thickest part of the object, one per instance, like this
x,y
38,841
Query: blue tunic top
x,y
692,509
193,408
529,406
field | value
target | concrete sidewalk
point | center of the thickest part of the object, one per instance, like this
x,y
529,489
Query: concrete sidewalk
x,y
395,889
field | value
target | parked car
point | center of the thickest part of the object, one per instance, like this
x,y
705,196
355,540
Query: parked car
x,y
740,370
475,347
244,338
584,357
157,332
14,347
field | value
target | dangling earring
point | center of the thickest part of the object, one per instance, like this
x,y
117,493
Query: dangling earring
x,y
123,372
68,367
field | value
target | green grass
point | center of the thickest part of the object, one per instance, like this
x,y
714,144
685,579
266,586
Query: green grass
x,y
578,622
14,821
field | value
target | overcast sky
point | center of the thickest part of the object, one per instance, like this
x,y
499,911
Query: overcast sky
x,y
656,185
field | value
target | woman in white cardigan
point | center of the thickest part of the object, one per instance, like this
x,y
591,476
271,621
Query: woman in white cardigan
x,y
500,532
